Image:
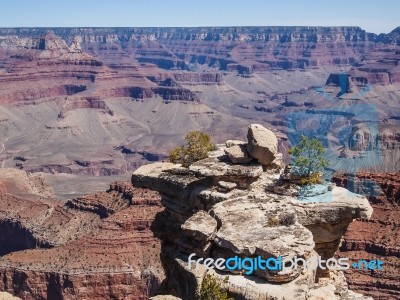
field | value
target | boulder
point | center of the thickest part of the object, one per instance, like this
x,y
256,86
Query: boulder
x,y
238,154
262,144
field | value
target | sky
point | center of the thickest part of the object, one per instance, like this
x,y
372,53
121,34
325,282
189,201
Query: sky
x,y
379,16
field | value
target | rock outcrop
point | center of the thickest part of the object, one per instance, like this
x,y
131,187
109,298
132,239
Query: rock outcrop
x,y
247,221
378,237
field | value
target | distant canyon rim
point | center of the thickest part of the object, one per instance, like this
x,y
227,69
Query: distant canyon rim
x,y
103,101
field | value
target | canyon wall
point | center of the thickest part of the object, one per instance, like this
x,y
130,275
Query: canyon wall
x,y
377,237
95,247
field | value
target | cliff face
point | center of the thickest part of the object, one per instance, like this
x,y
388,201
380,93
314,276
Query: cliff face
x,y
242,49
229,48
94,247
237,202
380,66
377,237
67,71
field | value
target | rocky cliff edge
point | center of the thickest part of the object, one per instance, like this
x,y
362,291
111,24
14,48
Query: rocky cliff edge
x,y
240,202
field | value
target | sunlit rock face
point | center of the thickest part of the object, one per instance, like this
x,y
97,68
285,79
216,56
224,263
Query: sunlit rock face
x,y
248,220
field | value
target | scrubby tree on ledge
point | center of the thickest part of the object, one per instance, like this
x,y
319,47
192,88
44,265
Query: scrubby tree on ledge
x,y
198,144
212,290
308,160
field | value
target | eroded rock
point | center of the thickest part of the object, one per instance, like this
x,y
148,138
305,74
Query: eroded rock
x,y
239,213
201,226
251,228
224,186
217,170
198,233
262,144
238,154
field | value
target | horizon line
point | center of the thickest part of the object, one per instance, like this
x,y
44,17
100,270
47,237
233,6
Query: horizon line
x,y
200,26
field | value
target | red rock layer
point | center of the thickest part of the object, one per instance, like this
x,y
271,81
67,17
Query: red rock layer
x,y
380,66
45,68
117,259
378,238
29,222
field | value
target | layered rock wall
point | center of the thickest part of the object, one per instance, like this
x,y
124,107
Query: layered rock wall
x,y
53,250
377,237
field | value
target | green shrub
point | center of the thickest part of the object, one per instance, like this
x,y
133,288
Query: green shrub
x,y
198,144
308,159
212,290
312,179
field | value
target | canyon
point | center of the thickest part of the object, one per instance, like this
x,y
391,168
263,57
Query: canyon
x,y
83,107
123,244
103,101
99,246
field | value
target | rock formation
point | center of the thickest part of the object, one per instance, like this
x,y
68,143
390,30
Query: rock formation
x,y
247,220
377,237
262,144
269,47
237,152
379,66
95,247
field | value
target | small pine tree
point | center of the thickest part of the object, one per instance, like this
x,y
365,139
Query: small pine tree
x,y
198,144
308,159
212,290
